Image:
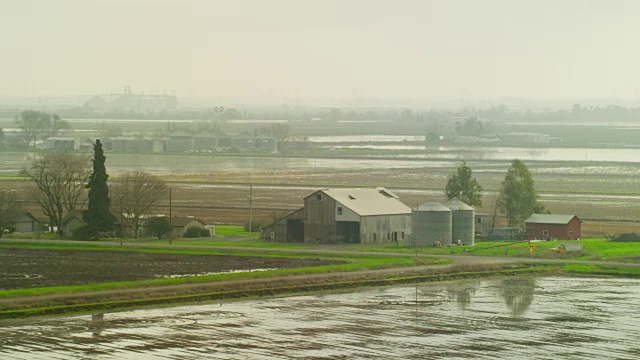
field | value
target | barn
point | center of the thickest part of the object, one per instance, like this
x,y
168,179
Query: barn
x,y
552,226
345,216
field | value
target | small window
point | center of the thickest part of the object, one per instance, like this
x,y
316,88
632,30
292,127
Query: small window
x,y
403,235
545,232
318,197
339,210
374,236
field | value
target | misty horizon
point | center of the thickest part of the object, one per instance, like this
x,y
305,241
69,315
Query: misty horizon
x,y
466,51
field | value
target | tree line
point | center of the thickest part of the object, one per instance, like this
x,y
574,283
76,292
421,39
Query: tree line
x,y
60,180
517,198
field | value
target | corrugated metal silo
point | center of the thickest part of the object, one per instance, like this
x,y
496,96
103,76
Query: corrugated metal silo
x,y
431,225
462,222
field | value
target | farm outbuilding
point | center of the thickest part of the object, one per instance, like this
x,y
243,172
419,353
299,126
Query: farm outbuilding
x,y
180,225
552,226
345,216
431,225
27,223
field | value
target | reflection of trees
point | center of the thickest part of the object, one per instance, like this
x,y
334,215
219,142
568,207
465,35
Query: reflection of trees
x,y
518,294
463,294
97,324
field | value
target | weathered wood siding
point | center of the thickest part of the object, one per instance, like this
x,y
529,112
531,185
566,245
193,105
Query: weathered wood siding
x,y
385,228
320,218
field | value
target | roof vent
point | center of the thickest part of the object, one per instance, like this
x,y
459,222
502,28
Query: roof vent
x,y
351,197
384,193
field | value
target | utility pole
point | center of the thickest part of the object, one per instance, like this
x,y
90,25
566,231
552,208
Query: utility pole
x,y
250,207
170,224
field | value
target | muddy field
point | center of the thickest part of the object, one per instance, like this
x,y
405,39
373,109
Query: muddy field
x,y
26,268
216,188
509,318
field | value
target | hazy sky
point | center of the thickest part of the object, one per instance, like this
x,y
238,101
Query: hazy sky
x,y
308,49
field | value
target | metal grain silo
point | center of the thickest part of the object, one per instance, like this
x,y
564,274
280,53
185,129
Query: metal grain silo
x,y
431,225
462,222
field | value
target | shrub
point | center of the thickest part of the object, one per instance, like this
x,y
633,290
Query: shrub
x,y
192,232
257,224
631,237
159,226
205,233
83,232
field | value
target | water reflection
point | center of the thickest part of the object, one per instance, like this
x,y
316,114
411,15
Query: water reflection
x,y
492,318
463,295
518,294
97,325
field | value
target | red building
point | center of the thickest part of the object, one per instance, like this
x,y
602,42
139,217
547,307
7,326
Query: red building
x,y
551,226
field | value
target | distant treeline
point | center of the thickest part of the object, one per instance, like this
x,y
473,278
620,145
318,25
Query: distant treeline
x,y
299,113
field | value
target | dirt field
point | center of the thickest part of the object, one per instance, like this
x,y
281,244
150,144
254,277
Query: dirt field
x,y
605,196
28,268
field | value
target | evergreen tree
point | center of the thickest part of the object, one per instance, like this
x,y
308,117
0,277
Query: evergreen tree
x,y
464,186
518,195
97,216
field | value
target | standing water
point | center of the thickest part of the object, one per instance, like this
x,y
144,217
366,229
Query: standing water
x,y
510,318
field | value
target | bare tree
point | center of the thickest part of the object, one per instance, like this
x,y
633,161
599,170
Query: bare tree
x,y
135,194
34,125
280,131
60,178
10,210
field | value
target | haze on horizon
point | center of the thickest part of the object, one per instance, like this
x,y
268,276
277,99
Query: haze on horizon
x,y
419,49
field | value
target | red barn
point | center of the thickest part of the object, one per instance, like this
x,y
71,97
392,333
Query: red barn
x,y
551,226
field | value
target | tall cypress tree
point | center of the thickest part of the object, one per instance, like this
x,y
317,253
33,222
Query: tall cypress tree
x,y
97,216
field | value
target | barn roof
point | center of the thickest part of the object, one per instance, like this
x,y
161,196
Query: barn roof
x,y
184,220
369,202
549,219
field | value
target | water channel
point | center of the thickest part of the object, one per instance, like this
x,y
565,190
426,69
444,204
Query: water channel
x,y
507,318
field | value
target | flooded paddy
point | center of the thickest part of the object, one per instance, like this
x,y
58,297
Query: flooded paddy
x,y
509,318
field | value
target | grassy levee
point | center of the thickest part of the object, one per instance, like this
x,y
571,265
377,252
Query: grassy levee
x,y
285,288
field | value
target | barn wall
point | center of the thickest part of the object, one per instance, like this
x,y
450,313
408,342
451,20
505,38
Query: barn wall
x,y
556,231
575,226
381,229
319,223
277,231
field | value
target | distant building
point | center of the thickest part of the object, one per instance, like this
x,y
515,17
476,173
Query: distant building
x,y
129,144
552,226
60,143
130,102
179,141
182,141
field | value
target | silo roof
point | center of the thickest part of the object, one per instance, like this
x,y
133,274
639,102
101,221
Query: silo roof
x,y
432,206
456,204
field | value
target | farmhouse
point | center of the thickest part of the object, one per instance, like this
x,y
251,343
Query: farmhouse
x,y
345,216
551,226
180,225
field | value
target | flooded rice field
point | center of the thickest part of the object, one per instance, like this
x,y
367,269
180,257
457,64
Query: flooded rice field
x,y
509,318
